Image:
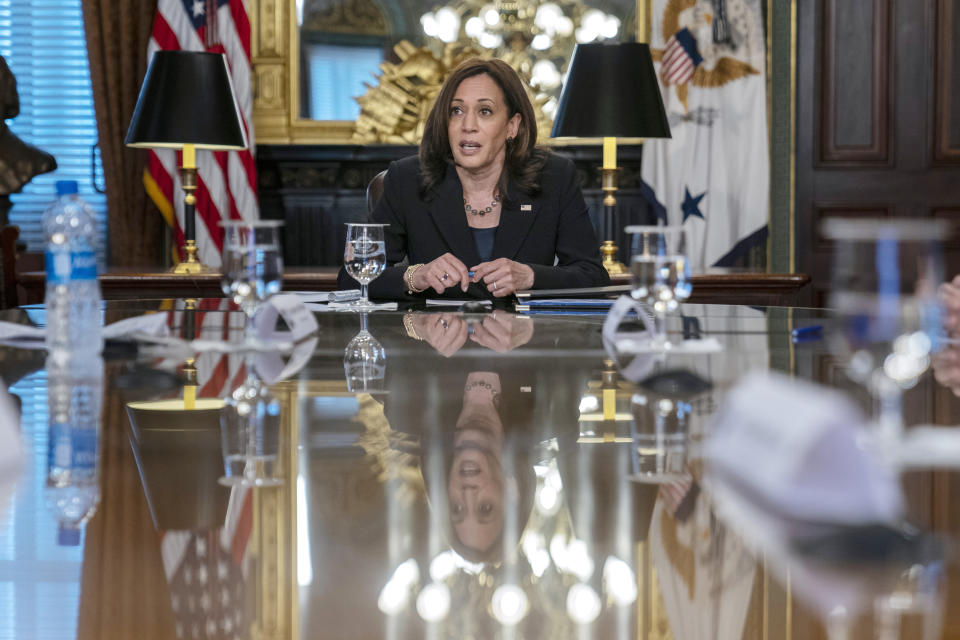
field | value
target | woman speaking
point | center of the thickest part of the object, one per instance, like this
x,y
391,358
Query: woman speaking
x,y
481,211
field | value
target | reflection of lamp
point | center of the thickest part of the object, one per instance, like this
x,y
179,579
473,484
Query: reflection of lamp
x,y
176,444
611,92
179,458
187,102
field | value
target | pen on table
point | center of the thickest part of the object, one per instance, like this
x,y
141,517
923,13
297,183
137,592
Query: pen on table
x,y
813,332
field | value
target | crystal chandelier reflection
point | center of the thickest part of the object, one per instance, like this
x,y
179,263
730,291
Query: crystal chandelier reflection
x,y
552,576
535,39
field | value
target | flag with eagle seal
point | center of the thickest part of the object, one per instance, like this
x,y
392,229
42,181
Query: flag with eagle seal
x,y
713,176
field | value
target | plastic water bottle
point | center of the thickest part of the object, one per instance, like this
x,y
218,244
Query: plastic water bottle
x,y
75,396
73,293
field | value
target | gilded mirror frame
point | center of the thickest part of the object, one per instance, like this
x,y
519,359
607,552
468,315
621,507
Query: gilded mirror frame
x,y
275,41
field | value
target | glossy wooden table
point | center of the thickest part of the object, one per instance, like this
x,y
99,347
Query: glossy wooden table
x,y
758,289
369,484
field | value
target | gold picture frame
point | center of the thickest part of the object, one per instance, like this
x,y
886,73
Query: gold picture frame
x,y
275,66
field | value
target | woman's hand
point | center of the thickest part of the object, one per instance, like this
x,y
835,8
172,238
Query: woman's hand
x,y
444,272
502,332
946,368
446,332
503,276
950,297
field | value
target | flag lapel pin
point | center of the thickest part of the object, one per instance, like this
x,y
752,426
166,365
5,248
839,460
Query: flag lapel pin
x,y
526,207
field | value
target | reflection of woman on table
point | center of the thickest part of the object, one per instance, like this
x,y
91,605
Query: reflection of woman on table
x,y
481,210
448,332
475,481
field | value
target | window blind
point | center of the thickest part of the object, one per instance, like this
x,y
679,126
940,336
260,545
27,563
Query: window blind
x,y
337,74
44,45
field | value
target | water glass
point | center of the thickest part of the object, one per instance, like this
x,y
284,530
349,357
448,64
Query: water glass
x,y
659,438
250,430
364,258
252,263
884,296
364,361
660,272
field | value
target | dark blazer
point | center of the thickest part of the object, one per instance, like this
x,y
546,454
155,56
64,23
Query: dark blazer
x,y
551,232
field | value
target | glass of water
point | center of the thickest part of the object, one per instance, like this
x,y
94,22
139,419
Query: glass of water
x,y
364,361
884,283
364,258
252,264
250,431
660,272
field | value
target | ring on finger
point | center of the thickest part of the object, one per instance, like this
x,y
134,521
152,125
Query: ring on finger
x,y
445,276
494,285
444,324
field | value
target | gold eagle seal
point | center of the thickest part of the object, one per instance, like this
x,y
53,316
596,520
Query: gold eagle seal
x,y
725,70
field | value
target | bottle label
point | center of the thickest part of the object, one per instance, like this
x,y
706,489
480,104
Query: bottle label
x,y
72,266
73,448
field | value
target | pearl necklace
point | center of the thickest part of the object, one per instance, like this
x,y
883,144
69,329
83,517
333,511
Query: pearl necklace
x,y
481,212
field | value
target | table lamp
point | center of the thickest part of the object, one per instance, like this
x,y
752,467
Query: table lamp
x,y
187,102
611,92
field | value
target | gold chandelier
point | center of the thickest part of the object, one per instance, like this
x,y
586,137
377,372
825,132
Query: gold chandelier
x,y
536,39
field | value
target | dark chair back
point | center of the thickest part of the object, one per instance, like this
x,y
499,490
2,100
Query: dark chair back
x,y
375,191
8,266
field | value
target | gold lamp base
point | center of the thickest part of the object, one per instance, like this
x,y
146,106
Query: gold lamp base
x,y
191,265
609,252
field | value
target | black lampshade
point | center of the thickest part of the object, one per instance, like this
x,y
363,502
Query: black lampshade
x,y
611,91
187,98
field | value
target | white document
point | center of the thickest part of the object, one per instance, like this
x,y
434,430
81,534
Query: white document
x,y
22,335
801,451
11,449
345,306
440,302
325,296
16,331
154,324
293,311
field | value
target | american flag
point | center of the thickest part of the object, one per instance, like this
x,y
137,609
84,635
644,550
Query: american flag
x,y
206,574
206,569
680,58
679,495
226,180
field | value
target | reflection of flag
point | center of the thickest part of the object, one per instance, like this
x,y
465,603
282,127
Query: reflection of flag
x,y
226,180
214,319
712,177
206,576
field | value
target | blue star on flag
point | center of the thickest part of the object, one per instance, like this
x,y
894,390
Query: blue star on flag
x,y
691,205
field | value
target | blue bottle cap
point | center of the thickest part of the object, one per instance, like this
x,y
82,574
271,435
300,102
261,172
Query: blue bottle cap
x,y
67,187
68,536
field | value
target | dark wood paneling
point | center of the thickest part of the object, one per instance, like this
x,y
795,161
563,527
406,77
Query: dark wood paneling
x,y
906,51
951,244
946,131
316,189
855,74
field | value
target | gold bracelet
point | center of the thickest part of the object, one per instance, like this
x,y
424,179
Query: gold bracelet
x,y
408,325
408,278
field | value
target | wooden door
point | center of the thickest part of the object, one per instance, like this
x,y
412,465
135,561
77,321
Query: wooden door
x,y
878,119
